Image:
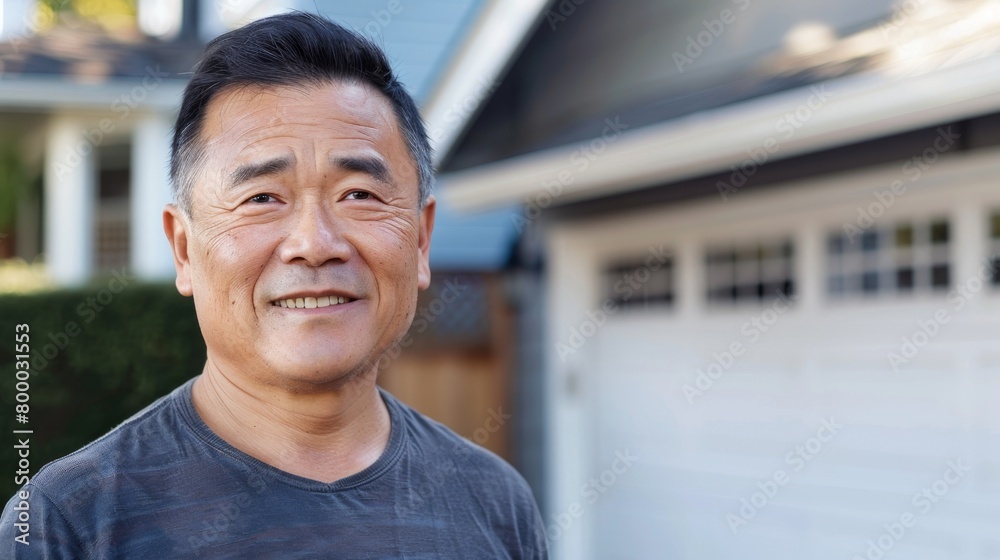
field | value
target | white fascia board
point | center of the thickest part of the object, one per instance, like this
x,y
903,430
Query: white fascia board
x,y
492,41
857,108
47,92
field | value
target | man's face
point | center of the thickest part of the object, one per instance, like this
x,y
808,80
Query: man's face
x,y
306,244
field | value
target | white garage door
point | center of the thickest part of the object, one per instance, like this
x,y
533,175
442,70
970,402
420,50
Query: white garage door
x,y
814,431
807,446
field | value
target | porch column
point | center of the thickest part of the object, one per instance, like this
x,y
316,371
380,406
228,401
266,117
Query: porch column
x,y
70,192
150,255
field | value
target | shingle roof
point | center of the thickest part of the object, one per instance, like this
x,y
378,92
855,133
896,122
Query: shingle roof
x,y
85,52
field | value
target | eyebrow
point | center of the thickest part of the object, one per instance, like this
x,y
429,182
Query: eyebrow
x,y
373,167
250,171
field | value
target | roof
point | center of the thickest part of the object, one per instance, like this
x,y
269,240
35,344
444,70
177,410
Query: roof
x,y
479,61
85,53
695,94
418,36
79,64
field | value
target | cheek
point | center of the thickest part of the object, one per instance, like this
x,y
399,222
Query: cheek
x,y
393,240
395,260
229,266
392,259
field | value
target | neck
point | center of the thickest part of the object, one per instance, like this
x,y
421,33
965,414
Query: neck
x,y
323,435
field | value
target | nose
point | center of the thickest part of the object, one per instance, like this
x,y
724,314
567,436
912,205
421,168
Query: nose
x,y
315,236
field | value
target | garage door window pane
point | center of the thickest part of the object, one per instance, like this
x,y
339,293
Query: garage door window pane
x,y
753,272
905,257
640,283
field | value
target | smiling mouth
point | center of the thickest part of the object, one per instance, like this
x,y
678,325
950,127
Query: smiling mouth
x,y
311,302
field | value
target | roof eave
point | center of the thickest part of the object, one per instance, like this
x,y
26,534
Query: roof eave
x,y
491,43
838,112
154,92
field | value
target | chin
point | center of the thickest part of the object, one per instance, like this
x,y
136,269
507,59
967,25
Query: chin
x,y
304,370
298,381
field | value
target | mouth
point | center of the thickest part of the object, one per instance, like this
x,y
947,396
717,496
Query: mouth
x,y
311,302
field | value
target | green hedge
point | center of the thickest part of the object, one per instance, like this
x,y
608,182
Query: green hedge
x,y
99,354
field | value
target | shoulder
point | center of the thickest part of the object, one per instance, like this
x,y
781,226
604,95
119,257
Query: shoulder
x,y
439,442
149,437
449,456
70,500
445,467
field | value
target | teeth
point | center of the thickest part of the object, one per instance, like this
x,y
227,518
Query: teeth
x,y
311,302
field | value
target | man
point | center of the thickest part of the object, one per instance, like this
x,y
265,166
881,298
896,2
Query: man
x,y
302,230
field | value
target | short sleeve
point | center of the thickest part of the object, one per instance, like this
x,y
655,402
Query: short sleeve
x,y
32,527
537,545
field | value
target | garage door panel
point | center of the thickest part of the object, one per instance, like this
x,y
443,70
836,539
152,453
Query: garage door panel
x,y
701,459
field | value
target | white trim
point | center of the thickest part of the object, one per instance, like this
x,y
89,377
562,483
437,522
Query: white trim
x,y
859,107
70,200
491,42
43,93
151,257
568,426
811,201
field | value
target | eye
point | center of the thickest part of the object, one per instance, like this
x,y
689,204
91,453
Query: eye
x,y
260,198
359,195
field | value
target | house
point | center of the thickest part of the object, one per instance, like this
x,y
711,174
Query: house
x,y
760,250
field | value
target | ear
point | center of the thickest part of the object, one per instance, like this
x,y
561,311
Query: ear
x,y
175,225
426,227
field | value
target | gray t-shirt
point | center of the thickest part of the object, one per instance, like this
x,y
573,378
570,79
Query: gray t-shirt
x,y
163,485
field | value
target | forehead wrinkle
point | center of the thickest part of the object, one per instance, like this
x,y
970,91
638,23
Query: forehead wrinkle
x,y
375,106
363,115
361,148
369,109
266,132
294,131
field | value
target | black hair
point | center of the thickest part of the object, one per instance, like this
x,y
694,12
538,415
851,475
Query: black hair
x,y
295,48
